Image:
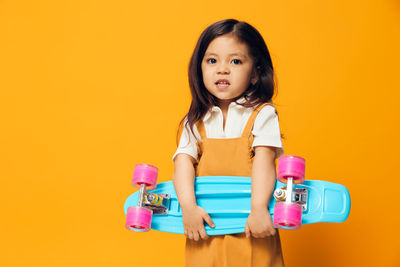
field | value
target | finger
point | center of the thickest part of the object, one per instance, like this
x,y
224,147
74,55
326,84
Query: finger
x,y
273,231
208,220
247,230
196,236
190,235
268,232
203,234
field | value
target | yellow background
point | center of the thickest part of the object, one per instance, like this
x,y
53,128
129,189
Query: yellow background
x,y
88,89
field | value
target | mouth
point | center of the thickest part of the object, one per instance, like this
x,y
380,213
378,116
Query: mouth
x,y
222,84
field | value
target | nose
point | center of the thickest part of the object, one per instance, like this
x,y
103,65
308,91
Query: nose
x,y
223,68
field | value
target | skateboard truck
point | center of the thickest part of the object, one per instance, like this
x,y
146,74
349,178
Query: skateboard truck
x,y
299,195
159,203
291,201
138,217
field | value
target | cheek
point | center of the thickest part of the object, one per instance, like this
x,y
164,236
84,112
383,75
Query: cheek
x,y
206,76
248,76
245,78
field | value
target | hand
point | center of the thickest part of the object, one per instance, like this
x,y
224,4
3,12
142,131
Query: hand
x,y
259,224
193,222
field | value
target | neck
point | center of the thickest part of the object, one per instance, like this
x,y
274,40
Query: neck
x,y
224,104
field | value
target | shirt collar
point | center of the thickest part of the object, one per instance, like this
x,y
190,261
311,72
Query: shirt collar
x,y
233,104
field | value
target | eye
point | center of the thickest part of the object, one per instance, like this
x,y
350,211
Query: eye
x,y
236,61
211,60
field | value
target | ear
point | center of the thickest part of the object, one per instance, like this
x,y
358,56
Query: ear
x,y
254,75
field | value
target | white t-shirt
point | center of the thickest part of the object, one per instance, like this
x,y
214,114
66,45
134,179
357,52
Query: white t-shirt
x,y
265,130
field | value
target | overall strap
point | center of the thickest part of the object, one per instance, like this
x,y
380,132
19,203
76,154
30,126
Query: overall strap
x,y
201,129
250,122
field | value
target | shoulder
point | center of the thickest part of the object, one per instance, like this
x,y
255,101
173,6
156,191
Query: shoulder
x,y
268,107
185,132
187,140
266,130
266,112
267,118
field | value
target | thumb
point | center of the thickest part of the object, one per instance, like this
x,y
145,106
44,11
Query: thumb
x,y
247,230
208,220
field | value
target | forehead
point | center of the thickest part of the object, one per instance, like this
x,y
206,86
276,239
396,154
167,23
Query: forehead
x,y
227,44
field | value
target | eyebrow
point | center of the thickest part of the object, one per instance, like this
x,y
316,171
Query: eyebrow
x,y
232,54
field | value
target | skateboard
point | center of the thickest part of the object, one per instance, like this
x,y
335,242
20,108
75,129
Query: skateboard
x,y
227,199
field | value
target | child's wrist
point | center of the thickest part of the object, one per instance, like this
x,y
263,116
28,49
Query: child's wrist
x,y
260,207
188,205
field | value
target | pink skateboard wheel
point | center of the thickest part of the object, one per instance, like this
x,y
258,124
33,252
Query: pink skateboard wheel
x,y
138,219
145,174
291,167
287,215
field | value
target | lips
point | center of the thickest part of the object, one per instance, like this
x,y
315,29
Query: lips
x,y
222,83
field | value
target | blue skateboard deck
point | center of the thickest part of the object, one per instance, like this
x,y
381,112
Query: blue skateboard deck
x,y
227,200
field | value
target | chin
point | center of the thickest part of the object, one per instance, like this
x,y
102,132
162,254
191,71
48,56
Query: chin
x,y
225,98
223,95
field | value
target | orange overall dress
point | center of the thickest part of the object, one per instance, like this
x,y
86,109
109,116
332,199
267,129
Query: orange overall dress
x,y
231,157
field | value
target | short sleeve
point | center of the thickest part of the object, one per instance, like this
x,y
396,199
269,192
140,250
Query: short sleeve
x,y
188,142
266,130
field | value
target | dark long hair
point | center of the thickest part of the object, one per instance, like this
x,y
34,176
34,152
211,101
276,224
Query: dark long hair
x,y
261,92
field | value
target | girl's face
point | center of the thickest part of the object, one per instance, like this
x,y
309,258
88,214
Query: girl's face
x,y
227,67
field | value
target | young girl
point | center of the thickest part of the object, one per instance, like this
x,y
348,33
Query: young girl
x,y
231,129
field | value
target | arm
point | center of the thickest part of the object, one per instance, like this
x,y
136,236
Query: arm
x,y
183,180
259,223
192,215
